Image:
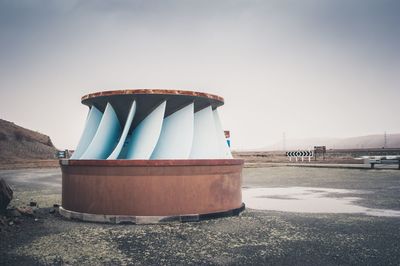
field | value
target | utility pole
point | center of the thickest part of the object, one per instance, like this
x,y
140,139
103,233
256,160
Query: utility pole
x,y
384,140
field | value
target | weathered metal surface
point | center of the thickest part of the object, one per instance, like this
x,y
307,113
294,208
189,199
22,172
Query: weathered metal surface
x,y
149,99
171,125
153,91
151,187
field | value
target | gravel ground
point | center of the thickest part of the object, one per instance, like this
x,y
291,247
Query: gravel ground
x,y
254,237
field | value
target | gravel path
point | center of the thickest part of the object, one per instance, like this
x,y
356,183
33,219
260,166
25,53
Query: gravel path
x,y
254,237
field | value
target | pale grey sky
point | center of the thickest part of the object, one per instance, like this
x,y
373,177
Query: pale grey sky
x,y
308,68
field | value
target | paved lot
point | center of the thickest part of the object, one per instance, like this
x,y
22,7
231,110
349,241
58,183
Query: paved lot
x,y
299,236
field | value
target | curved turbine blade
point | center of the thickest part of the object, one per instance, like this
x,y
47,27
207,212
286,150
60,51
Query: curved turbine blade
x,y
205,142
176,136
114,155
145,136
92,123
225,151
106,136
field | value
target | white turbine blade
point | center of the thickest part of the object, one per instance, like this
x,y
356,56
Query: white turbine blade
x,y
145,136
176,136
225,151
114,155
106,136
92,123
205,142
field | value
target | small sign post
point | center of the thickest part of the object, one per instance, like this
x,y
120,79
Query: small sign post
x,y
320,150
62,154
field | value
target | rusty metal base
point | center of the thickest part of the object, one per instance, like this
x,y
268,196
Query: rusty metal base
x,y
123,219
146,191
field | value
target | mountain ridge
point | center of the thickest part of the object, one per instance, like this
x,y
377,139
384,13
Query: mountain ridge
x,y
358,142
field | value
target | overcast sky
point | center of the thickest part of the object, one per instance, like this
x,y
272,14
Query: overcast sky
x,y
306,68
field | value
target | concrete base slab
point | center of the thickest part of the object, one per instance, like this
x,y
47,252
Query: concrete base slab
x,y
120,219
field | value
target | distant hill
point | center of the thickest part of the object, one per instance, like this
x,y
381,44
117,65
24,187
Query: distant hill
x,y
361,142
18,143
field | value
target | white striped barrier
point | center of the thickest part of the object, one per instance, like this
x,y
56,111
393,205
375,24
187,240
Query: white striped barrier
x,y
299,154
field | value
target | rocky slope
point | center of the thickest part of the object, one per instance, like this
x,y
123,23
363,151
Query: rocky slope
x,y
18,143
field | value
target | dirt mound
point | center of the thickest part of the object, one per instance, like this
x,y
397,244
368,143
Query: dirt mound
x,y
18,143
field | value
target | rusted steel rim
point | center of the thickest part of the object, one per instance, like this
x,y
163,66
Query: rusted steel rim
x,y
154,91
197,162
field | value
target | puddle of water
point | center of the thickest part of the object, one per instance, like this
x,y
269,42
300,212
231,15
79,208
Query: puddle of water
x,y
309,200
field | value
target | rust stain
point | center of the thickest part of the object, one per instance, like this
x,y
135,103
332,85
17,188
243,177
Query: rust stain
x,y
154,91
133,187
121,162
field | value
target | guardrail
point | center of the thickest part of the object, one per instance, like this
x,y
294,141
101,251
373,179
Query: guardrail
x,y
382,160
